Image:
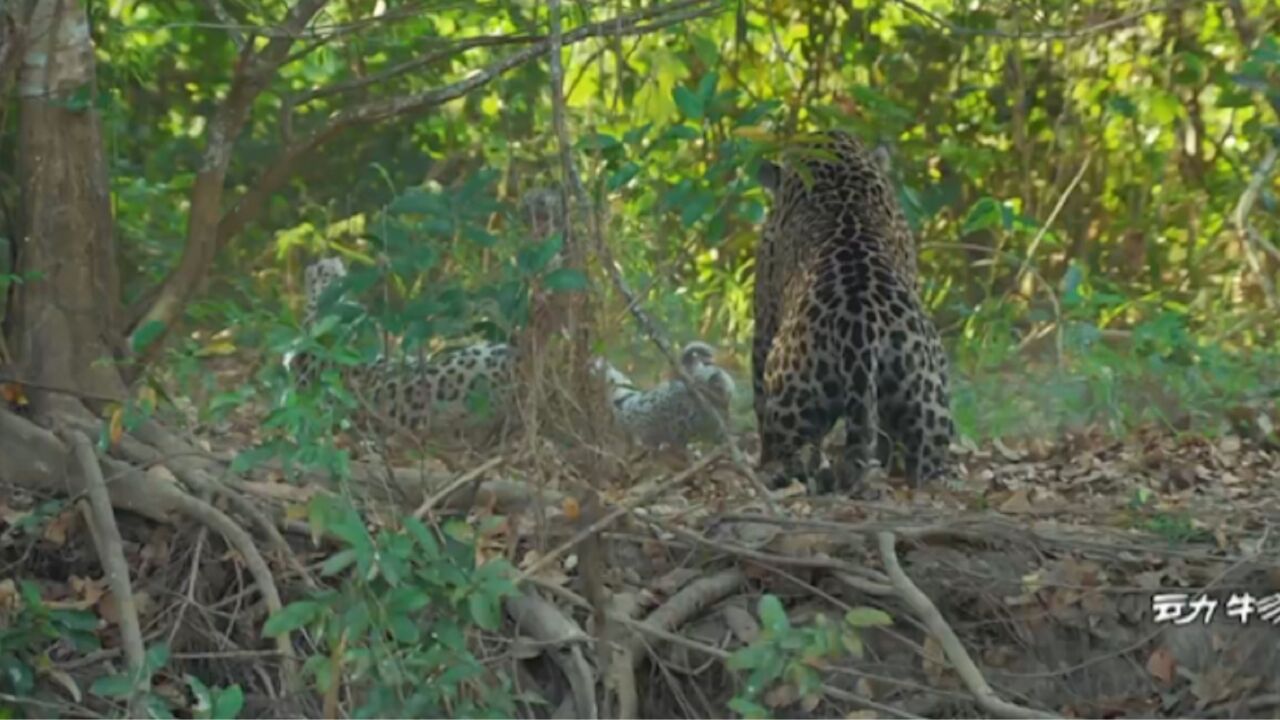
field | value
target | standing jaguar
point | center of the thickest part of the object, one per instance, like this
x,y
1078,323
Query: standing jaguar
x,y
840,331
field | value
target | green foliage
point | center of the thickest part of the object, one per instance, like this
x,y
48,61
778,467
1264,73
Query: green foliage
x,y
793,655
32,632
1175,527
395,625
1157,370
1173,112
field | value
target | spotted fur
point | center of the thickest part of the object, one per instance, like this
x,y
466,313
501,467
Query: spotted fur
x,y
840,330
461,391
669,414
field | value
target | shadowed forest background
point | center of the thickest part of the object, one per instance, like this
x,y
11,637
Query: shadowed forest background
x,y
1093,191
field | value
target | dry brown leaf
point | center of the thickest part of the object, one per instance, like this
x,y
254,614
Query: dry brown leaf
x,y
8,594
1162,665
116,425
109,609
934,660
743,625
89,591
1019,503
1005,451
64,679
157,550
1151,580
781,695
57,529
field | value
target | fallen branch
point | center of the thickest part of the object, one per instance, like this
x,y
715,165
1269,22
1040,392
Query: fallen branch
x,y
968,671
545,623
613,515
686,604
457,483
873,579
106,535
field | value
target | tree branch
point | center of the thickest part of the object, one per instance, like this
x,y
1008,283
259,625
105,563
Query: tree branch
x,y
252,74
1063,34
429,58
1252,240
251,205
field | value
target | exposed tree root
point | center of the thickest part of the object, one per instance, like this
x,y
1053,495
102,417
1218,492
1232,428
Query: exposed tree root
x,y
684,605
106,536
987,698
545,623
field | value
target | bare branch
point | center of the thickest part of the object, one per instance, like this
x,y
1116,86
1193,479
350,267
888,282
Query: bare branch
x,y
1250,239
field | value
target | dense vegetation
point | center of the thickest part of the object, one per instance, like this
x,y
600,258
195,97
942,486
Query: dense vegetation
x,y
1093,185
1074,171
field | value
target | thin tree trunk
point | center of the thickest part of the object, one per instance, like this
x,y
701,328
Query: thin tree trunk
x,y
66,313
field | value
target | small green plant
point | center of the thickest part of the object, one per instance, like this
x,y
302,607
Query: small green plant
x,y
209,703
31,633
793,655
395,627
1175,527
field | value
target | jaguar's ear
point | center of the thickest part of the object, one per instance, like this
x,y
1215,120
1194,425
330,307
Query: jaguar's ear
x,y
882,158
769,176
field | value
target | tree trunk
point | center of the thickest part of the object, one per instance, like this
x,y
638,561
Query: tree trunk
x,y
65,319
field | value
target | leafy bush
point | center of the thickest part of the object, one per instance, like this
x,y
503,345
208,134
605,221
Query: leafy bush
x,y
395,626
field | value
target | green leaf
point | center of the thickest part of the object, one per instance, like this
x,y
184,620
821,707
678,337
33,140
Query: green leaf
x,y
485,610
864,617
532,260
415,201
404,630
1122,106
707,87
228,702
773,616
852,643
689,103
424,537
598,141
984,214
157,657
696,208
338,562
747,708
203,707
291,617
253,457
17,675
145,335
624,175
565,280
75,619
748,657
158,707
112,686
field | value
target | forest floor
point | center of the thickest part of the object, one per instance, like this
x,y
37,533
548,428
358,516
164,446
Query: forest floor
x,y
1032,586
